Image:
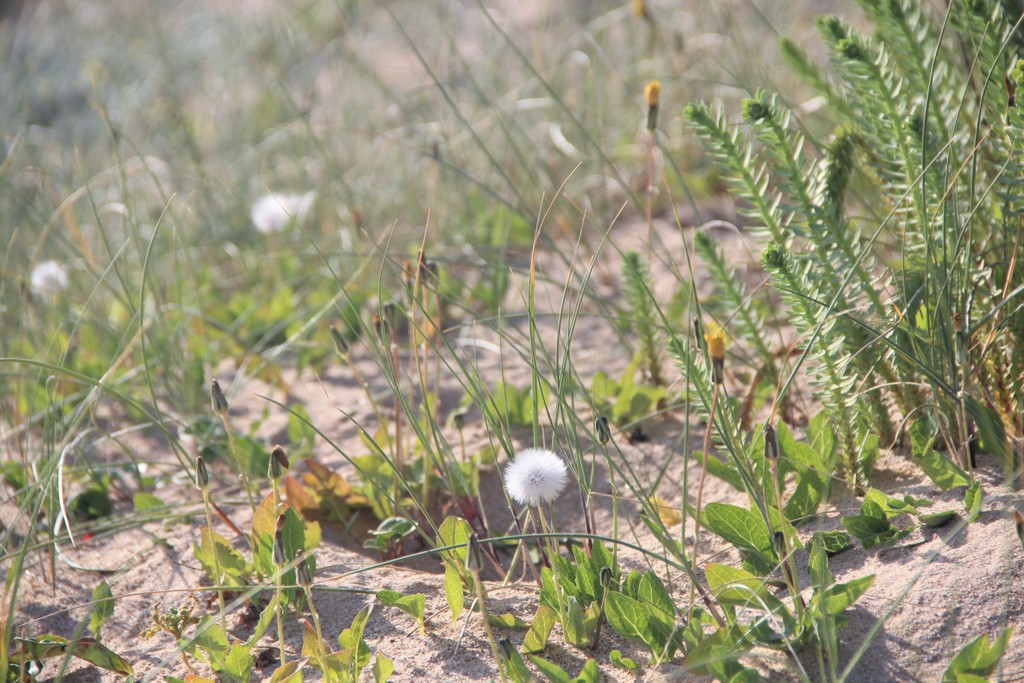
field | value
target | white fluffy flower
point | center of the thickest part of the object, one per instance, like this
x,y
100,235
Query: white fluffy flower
x,y
535,476
49,277
274,212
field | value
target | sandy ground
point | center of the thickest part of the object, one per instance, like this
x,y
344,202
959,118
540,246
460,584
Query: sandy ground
x,y
935,590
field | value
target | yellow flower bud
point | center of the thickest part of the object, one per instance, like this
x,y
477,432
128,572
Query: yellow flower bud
x,y
716,349
652,93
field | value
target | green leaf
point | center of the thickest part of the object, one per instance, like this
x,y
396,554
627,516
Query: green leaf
x,y
943,472
937,519
454,531
590,673
980,657
212,640
817,565
623,662
870,530
832,542
214,553
515,667
413,605
143,501
575,625
85,648
717,655
737,587
720,469
745,529
453,591
237,665
537,637
643,621
102,608
652,591
840,596
509,621
972,501
287,673
382,669
551,671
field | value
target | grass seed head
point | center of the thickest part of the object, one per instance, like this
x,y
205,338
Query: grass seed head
x,y
278,463
217,399
202,476
771,442
474,555
604,433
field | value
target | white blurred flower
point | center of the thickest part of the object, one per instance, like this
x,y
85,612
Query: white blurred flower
x,y
274,212
49,277
535,476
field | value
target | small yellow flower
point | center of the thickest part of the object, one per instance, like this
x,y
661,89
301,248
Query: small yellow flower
x,y
652,93
716,349
716,344
670,516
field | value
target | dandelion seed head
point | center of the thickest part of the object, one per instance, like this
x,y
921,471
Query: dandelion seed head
x,y
535,476
49,277
274,212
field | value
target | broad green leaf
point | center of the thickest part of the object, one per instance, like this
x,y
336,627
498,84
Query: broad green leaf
x,y
237,665
717,655
143,501
382,669
629,618
806,497
868,529
266,617
980,657
972,501
588,580
652,591
943,472
215,553
590,673
509,621
840,596
515,667
623,662
551,671
85,648
832,542
745,529
737,587
453,590
287,673
212,640
313,646
102,608
575,624
352,636
817,565
454,531
413,605
937,519
720,470
537,637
